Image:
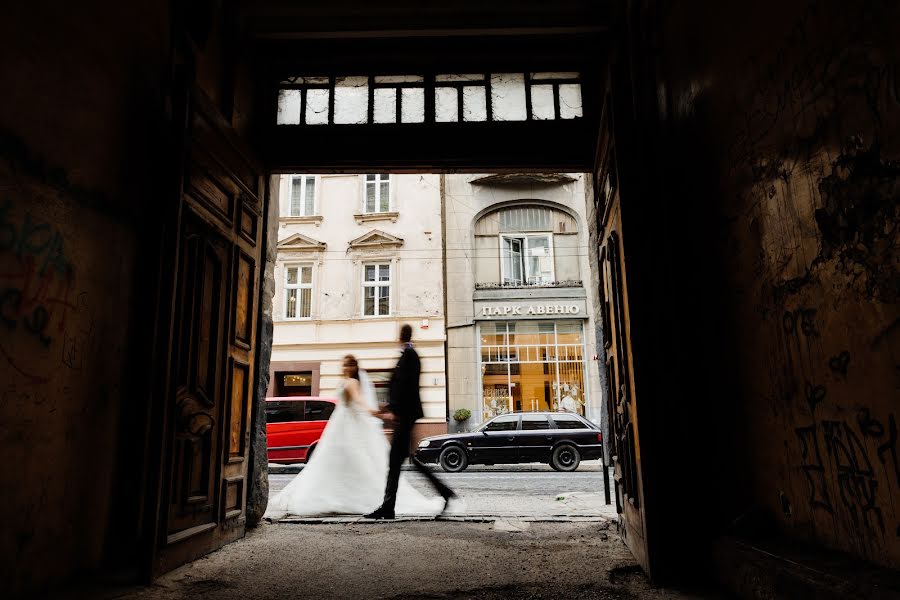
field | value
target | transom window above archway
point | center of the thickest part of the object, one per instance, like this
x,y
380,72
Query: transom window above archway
x,y
440,98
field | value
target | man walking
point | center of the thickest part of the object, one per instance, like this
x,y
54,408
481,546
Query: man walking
x,y
404,408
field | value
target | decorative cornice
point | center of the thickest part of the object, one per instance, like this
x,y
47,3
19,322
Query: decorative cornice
x,y
300,242
375,239
374,217
315,219
519,179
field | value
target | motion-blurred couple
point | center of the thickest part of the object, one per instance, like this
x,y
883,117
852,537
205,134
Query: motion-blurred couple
x,y
352,466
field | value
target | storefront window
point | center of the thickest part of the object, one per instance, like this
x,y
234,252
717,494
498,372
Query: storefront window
x,y
529,366
293,383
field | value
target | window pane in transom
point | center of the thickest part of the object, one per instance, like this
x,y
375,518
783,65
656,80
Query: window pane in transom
x,y
317,107
446,105
385,110
570,101
289,103
508,97
526,218
542,102
351,100
474,104
413,105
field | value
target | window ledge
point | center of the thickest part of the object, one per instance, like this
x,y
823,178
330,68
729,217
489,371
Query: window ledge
x,y
381,216
315,219
571,283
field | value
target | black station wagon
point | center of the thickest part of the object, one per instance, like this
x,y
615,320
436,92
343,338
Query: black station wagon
x,y
561,439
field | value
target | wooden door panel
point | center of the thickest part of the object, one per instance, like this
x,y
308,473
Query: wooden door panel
x,y
245,276
238,432
197,402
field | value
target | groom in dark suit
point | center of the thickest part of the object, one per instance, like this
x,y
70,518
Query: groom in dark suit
x,y
404,408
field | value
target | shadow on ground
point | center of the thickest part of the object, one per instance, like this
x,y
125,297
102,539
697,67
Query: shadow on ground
x,y
415,559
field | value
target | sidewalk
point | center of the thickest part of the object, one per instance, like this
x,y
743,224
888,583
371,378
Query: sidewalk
x,y
533,492
280,469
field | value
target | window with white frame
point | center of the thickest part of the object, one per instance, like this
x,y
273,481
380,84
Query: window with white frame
x,y
298,287
526,259
378,193
303,196
377,289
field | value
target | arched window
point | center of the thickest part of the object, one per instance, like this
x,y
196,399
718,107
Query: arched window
x,y
528,244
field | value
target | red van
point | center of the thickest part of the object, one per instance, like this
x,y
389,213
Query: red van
x,y
294,426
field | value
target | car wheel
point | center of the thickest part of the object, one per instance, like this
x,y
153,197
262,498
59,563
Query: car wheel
x,y
453,459
565,458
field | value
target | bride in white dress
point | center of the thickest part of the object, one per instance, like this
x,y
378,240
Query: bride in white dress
x,y
348,471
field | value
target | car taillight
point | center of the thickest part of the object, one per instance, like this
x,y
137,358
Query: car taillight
x,y
600,437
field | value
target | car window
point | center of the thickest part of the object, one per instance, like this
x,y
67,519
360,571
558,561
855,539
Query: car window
x,y
533,422
503,424
568,422
284,412
316,410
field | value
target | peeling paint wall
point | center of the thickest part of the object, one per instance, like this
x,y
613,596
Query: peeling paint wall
x,y
81,92
793,111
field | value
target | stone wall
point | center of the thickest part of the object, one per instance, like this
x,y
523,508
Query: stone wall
x,y
76,177
784,122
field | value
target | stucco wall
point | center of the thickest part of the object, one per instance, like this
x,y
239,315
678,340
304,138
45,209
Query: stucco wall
x,y
472,260
337,326
593,283
796,115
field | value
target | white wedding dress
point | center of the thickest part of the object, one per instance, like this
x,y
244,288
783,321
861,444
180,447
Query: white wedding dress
x,y
348,470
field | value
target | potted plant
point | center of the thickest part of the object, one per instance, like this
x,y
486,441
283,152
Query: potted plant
x,y
461,416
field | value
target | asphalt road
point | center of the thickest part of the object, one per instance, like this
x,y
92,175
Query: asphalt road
x,y
514,490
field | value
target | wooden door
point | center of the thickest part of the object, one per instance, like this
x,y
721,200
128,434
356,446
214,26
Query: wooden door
x,y
212,350
623,440
621,406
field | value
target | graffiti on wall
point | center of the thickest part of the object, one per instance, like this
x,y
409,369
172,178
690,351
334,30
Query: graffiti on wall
x,y
40,310
846,461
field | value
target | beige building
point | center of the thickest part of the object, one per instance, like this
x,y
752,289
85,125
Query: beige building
x,y
520,319
358,255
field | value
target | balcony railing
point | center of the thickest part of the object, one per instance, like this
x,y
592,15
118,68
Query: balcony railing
x,y
568,283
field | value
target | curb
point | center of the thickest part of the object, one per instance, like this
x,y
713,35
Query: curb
x,y
448,518
280,469
277,469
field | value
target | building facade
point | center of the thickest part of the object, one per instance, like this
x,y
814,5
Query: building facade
x,y
357,256
520,319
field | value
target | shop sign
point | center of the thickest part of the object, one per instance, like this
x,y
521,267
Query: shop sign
x,y
567,308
